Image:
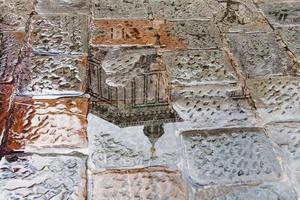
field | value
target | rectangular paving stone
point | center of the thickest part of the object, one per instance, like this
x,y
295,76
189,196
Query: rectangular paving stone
x,y
5,103
53,34
291,37
48,123
189,34
259,54
42,177
62,6
119,9
213,106
281,12
197,67
15,13
276,98
228,156
118,32
145,183
10,45
55,75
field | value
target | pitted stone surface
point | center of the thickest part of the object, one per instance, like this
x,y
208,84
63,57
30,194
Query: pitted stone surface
x,y
221,156
54,123
146,183
189,34
50,30
291,36
258,54
212,104
10,45
56,75
62,6
276,98
195,67
42,177
14,14
118,9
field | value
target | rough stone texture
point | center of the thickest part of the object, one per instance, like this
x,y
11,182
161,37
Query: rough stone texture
x,y
10,45
5,93
291,36
258,54
213,104
55,75
56,123
50,30
230,156
145,183
189,34
276,98
62,6
195,67
119,9
42,177
14,14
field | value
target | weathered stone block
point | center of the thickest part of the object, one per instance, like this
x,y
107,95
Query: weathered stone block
x,y
10,45
189,34
15,13
146,183
42,177
52,123
119,9
224,156
54,34
259,54
55,75
62,6
276,98
130,32
291,37
213,106
196,67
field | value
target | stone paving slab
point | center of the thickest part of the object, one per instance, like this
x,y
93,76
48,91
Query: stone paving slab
x,y
119,9
276,98
53,34
196,67
55,75
259,54
42,177
48,123
145,183
10,46
62,6
227,156
291,37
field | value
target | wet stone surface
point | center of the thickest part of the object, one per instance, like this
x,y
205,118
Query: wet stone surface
x,y
221,156
291,37
42,177
5,93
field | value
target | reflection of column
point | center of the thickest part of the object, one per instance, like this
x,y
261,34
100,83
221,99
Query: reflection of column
x,y
139,90
152,88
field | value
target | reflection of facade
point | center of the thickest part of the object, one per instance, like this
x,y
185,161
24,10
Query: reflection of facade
x,y
143,100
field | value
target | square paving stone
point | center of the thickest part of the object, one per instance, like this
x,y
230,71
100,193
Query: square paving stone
x,y
62,6
281,12
291,37
53,34
130,32
145,183
190,34
48,123
276,98
15,13
196,67
55,75
259,54
228,156
10,45
5,104
213,106
42,177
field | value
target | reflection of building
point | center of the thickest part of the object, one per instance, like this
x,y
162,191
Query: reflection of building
x,y
142,100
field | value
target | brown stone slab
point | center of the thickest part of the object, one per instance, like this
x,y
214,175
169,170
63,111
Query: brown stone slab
x,y
40,123
15,13
65,34
117,32
10,45
62,6
145,183
5,103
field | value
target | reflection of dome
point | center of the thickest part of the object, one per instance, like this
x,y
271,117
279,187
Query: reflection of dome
x,y
153,132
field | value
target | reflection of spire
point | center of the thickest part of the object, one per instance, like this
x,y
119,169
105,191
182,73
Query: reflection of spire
x,y
153,132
